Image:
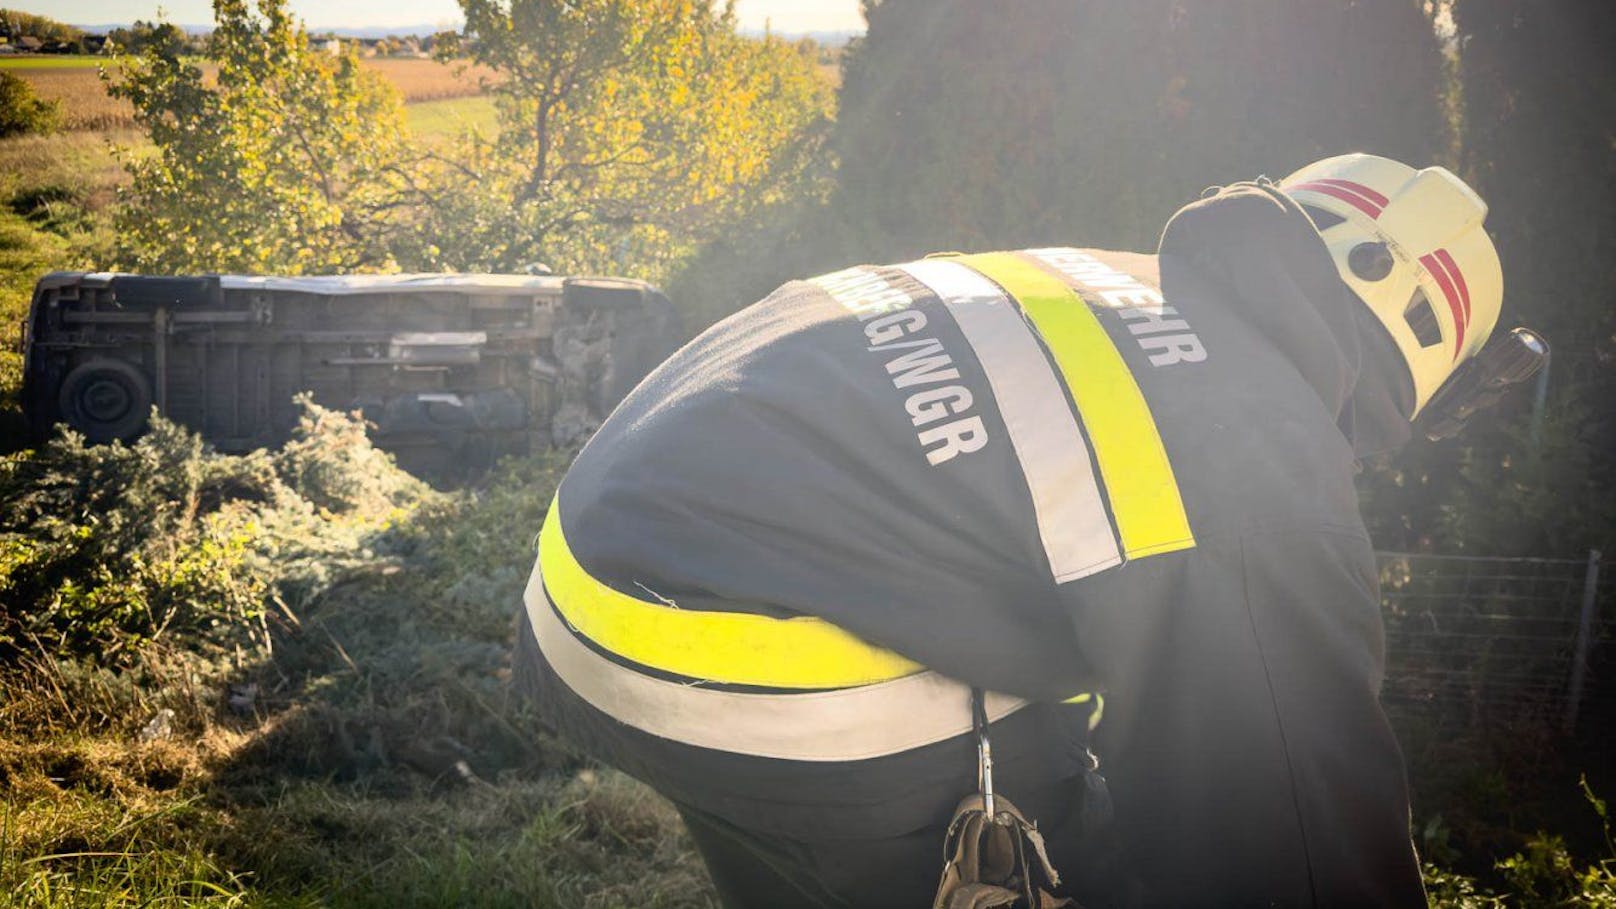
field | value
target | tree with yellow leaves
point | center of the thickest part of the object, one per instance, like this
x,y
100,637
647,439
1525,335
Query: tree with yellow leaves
x,y
629,131
283,161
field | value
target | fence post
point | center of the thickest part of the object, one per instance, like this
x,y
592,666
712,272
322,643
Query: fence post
x,y
1585,636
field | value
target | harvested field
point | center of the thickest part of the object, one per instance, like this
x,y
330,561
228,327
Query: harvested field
x,y
428,80
85,105
75,81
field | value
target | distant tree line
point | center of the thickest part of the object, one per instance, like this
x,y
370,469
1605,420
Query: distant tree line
x,y
30,32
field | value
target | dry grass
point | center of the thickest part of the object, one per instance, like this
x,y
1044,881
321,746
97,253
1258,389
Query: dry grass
x,y
428,80
82,160
86,107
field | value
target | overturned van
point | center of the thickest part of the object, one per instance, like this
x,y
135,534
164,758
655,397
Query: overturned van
x,y
449,369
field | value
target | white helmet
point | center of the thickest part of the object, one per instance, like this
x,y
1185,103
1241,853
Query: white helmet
x,y
1410,244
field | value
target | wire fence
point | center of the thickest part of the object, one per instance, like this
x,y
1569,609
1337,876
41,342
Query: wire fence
x,y
1482,642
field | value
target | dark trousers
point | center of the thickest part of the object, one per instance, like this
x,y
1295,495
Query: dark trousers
x,y
753,870
823,834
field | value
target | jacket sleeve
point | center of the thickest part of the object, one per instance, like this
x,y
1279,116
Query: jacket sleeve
x,y
1314,607
1243,735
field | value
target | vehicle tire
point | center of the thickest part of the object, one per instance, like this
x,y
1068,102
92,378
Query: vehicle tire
x,y
106,400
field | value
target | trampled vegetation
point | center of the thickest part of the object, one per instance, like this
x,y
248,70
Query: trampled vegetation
x,y
277,679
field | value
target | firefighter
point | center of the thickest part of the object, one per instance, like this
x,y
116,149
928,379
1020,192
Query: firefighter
x,y
1112,491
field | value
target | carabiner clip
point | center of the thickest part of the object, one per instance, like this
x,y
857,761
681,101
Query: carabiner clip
x,y
984,751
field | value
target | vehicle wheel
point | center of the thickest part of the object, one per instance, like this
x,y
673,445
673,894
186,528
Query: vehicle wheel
x,y
106,400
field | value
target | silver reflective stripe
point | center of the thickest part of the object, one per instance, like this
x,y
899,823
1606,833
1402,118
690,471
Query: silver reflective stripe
x,y
848,724
1072,518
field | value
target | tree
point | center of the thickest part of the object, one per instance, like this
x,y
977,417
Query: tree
x,y
968,124
21,112
164,39
16,24
629,130
284,161
1539,143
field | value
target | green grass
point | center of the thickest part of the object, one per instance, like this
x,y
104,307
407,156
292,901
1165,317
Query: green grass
x,y
438,120
56,193
25,254
54,61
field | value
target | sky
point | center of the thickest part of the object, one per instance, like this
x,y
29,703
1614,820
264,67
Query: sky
x,y
783,15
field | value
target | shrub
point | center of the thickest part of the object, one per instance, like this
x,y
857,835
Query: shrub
x,y
1544,873
105,549
21,112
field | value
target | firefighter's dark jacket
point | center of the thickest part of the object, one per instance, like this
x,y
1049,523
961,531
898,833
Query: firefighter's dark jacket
x,y
775,466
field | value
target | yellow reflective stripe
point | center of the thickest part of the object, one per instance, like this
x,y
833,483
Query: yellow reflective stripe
x,y
1099,706
730,647
1073,523
1133,463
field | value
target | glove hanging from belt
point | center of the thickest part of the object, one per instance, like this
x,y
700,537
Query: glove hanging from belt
x,y
995,863
993,857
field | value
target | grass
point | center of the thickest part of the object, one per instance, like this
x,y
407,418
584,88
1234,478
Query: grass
x,y
421,80
55,193
51,61
448,118
379,760
82,160
25,254
84,101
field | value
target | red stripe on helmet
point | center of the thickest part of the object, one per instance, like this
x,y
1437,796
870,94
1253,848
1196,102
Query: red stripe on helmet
x,y
1437,270
1358,188
1446,259
1363,204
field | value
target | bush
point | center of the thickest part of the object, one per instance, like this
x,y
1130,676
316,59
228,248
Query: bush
x,y
1543,873
21,112
105,549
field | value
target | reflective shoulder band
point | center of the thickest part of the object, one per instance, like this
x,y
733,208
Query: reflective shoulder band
x,y
1138,478
1072,520
729,647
